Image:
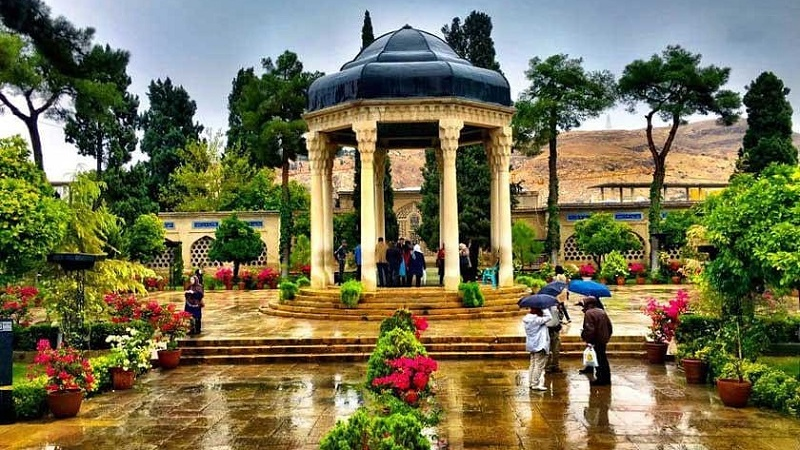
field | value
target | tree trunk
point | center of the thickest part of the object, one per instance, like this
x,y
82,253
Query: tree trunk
x,y
286,220
99,153
553,212
235,271
654,214
36,140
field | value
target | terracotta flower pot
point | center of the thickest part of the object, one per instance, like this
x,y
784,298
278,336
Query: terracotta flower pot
x,y
676,280
620,281
65,404
695,371
122,379
656,352
640,280
228,286
603,281
734,393
242,285
259,285
169,359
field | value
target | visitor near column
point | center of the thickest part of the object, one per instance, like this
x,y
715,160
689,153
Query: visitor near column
x,y
417,265
597,330
440,264
357,255
341,255
382,263
537,342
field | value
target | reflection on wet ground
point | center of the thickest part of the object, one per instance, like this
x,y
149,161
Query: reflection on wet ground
x,y
487,405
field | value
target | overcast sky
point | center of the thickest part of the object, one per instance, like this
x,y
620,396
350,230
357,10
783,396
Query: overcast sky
x,y
201,44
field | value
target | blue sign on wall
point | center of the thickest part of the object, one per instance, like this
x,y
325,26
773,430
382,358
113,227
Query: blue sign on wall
x,y
256,223
169,225
205,224
578,216
628,216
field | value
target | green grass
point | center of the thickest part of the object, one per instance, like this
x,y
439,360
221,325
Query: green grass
x,y
18,372
788,364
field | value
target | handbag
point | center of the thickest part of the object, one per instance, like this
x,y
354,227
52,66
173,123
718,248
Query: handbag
x,y
590,357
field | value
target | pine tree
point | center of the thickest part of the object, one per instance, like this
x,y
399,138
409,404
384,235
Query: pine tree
x,y
367,37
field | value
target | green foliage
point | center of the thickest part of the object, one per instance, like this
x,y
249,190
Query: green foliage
x,y
525,247
367,36
101,369
376,429
302,281
391,345
781,329
235,241
695,335
288,290
532,282
30,398
127,192
600,234
774,389
32,221
402,319
473,40
768,138
675,225
614,266
26,338
177,266
301,255
472,296
145,239
350,293
345,228
756,227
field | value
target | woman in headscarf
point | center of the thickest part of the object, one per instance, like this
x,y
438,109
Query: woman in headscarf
x,y
194,304
417,264
464,263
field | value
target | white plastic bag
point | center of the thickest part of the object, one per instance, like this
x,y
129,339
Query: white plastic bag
x,y
589,357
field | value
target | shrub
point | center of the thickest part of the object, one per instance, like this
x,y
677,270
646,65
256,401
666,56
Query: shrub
x,y
637,269
378,429
101,368
774,389
404,320
302,281
614,265
472,295
30,398
224,275
351,293
269,277
392,345
288,290
532,282
131,350
782,329
664,318
26,338
64,368
409,379
587,270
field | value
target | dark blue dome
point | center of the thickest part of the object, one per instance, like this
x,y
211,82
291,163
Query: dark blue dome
x,y
408,63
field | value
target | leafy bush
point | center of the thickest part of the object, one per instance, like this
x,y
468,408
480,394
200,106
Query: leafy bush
x,y
100,331
26,338
288,290
402,319
351,293
782,329
379,430
30,398
532,282
302,281
269,277
472,295
101,367
774,389
392,345
615,265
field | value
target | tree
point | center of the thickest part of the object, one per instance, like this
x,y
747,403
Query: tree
x,y
675,225
32,220
561,95
236,134
391,227
768,138
127,192
271,108
600,234
145,239
756,229
168,126
473,40
673,86
367,37
237,242
103,125
525,247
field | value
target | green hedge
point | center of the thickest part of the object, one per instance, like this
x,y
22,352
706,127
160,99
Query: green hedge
x,y
25,338
471,295
351,293
288,290
30,398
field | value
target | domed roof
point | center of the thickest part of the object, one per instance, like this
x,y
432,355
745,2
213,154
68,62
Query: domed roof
x,y
408,63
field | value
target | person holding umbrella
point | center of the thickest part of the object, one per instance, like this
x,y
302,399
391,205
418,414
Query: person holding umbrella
x,y
597,331
537,342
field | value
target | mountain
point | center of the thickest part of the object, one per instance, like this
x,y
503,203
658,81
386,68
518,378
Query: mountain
x,y
702,152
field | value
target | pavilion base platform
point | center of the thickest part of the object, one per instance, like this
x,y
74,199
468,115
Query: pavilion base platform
x,y
433,303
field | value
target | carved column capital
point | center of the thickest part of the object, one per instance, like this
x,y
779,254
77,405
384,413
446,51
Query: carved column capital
x,y
449,133
366,135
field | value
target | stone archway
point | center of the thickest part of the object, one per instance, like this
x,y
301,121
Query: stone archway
x,y
409,218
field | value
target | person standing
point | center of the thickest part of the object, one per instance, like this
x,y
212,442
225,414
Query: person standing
x,y
393,258
341,255
417,264
562,305
537,342
406,251
194,304
554,332
440,264
382,263
463,262
597,331
357,255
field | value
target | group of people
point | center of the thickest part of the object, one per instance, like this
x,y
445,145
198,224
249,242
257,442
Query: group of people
x,y
543,339
399,264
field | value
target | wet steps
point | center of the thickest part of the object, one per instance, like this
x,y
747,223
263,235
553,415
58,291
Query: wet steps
x,y
256,351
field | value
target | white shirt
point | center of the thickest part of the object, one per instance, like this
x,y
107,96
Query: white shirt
x,y
536,335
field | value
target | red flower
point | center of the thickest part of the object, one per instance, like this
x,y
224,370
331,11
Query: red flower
x,y
64,368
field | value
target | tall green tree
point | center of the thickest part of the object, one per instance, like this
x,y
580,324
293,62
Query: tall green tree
x,y
103,125
392,228
271,108
168,126
600,235
127,191
768,138
367,36
236,134
525,247
144,240
673,86
235,241
561,95
473,40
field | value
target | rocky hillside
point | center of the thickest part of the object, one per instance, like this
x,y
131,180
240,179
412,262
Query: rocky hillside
x,y
702,152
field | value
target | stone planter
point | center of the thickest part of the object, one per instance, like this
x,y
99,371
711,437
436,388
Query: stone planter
x,y
64,404
733,393
656,352
122,379
695,370
169,359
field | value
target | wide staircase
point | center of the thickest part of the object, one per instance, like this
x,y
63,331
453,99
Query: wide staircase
x,y
432,302
265,350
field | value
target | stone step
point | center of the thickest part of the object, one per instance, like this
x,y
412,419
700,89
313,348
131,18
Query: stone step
x,y
396,303
411,292
373,309
377,315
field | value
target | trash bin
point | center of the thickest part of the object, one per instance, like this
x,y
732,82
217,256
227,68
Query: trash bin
x,y
7,414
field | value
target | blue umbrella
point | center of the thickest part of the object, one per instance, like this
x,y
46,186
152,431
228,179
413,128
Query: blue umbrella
x,y
555,288
591,288
541,301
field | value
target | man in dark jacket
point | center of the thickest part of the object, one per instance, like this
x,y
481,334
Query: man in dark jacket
x,y
597,330
393,258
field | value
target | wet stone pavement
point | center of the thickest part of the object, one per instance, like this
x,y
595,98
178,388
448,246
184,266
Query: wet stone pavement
x,y
487,405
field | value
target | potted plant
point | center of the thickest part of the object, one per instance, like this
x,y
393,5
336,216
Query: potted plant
x,y
225,276
638,270
587,271
733,389
694,359
68,375
172,325
268,277
615,267
664,318
547,271
676,271
130,353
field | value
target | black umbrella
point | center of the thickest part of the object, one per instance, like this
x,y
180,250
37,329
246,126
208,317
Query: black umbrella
x,y
555,288
541,301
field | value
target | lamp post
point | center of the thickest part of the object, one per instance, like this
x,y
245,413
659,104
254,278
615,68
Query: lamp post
x,y
79,263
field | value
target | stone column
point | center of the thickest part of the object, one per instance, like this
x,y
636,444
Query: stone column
x,y
380,171
494,203
331,265
501,143
366,135
315,142
439,164
449,132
